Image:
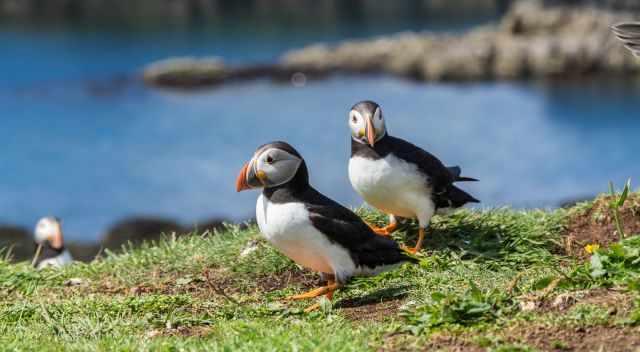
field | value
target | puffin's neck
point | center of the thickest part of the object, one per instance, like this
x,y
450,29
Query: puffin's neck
x,y
379,150
49,251
284,192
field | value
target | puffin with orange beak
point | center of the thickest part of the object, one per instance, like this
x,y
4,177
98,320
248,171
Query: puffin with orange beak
x,y
48,237
398,177
310,228
629,34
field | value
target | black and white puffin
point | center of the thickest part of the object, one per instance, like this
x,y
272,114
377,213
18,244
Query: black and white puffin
x,y
629,34
310,228
398,177
48,237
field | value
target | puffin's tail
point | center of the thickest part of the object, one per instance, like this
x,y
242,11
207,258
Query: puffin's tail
x,y
458,197
455,171
453,198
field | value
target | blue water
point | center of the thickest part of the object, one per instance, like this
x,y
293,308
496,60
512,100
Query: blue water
x,y
83,140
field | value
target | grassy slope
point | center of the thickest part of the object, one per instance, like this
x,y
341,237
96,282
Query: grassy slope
x,y
196,292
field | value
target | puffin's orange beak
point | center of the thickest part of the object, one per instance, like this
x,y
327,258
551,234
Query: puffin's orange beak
x,y
241,181
371,133
56,239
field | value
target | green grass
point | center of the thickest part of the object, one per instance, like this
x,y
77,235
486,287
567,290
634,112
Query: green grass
x,y
196,292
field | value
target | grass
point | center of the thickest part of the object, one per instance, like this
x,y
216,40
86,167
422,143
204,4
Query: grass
x,y
474,290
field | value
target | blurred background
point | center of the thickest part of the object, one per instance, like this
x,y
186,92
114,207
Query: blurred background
x,y
536,99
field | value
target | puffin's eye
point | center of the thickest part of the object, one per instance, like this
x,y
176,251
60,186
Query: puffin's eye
x,y
269,159
354,119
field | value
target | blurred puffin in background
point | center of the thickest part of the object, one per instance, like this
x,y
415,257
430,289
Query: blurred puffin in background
x,y
398,177
50,251
308,227
629,34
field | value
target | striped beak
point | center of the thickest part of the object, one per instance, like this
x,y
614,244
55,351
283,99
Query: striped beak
x,y
250,178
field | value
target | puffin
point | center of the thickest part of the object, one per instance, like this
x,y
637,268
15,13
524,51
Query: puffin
x,y
308,227
48,237
397,177
629,34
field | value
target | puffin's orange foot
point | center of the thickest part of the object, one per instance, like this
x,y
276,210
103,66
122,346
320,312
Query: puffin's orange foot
x,y
384,231
311,294
312,308
418,246
413,250
325,290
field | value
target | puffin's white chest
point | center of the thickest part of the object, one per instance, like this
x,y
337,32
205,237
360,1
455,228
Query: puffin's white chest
x,y
288,228
391,185
58,261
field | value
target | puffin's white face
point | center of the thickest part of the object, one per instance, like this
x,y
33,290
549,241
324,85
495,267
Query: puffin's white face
x,y
49,229
367,126
269,167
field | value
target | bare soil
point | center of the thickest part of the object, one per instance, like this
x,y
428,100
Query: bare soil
x,y
596,225
596,338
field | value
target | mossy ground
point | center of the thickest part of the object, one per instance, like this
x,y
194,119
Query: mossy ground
x,y
488,280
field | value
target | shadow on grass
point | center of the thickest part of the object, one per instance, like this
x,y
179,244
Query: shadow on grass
x,y
491,235
379,296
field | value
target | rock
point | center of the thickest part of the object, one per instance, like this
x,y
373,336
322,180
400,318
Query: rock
x,y
532,40
18,241
185,72
211,226
528,306
75,281
84,252
137,230
564,301
249,248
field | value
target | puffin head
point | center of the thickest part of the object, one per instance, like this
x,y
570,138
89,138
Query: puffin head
x,y
366,122
48,229
272,165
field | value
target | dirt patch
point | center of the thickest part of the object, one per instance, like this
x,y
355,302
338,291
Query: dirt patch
x,y
596,338
376,306
375,311
217,282
181,331
596,225
451,343
292,277
617,301
437,342
207,284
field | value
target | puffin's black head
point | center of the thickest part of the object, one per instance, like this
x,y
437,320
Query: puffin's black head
x,y
272,165
366,122
48,229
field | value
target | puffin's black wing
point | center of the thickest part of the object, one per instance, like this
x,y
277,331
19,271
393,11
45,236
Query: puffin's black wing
x,y
629,34
439,176
344,227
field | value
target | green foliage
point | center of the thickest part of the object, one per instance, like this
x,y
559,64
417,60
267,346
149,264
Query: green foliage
x,y
617,264
616,203
467,309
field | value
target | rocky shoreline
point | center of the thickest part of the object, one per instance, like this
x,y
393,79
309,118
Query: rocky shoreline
x,y
531,41
19,241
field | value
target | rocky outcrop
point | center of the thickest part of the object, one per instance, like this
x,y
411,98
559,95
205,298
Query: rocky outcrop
x,y
16,243
531,41
138,230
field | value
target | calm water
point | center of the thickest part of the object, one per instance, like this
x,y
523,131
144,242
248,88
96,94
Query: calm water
x,y
91,148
